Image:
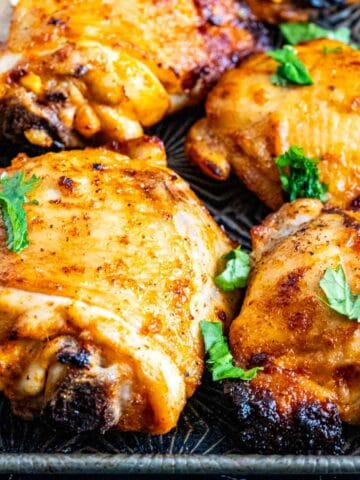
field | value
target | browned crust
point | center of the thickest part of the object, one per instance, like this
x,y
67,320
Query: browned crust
x,y
310,427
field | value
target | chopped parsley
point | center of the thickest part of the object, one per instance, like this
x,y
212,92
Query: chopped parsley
x,y
12,198
295,33
236,272
338,293
299,175
291,69
220,360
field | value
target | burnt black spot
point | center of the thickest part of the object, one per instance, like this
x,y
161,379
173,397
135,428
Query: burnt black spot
x,y
56,97
14,121
16,74
56,22
310,428
350,222
355,204
258,360
66,182
221,315
78,359
17,117
13,334
81,404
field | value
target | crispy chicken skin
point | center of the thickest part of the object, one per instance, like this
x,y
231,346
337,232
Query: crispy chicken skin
x,y
310,353
276,11
250,121
100,314
74,72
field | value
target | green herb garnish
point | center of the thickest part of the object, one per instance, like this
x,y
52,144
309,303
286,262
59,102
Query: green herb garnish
x,y
338,294
299,175
295,33
220,361
291,69
236,271
12,198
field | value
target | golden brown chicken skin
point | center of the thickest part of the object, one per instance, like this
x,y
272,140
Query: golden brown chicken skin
x,y
277,11
74,72
100,314
309,352
280,11
249,122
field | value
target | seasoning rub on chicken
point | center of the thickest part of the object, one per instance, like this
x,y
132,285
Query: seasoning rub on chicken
x,y
299,321
74,71
250,121
100,313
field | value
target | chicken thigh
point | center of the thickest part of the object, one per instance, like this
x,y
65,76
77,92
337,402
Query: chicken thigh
x,y
100,314
250,122
309,352
74,72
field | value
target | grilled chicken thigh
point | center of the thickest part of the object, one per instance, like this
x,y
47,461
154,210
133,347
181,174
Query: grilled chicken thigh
x,y
100,314
74,72
250,121
310,353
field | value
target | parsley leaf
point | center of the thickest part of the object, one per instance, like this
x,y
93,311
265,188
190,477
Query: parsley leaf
x,y
12,198
291,69
220,361
299,175
338,294
236,271
295,33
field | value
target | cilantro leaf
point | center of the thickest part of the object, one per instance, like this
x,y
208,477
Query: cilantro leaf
x,y
338,294
299,175
236,271
12,198
295,33
220,361
291,69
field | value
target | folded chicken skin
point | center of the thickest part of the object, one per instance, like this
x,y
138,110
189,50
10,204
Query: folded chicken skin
x,y
249,122
74,72
100,314
309,352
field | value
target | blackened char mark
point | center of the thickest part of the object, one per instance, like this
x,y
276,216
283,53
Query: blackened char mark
x,y
79,358
81,403
222,53
15,119
355,205
310,428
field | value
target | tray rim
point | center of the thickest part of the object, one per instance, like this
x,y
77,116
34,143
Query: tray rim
x,y
88,463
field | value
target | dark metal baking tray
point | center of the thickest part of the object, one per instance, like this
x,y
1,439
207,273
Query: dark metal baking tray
x,y
204,441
